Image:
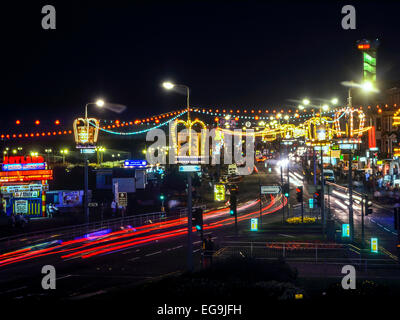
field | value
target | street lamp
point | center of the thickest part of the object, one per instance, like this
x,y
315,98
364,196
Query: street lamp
x,y
168,85
99,103
334,101
306,102
366,87
64,152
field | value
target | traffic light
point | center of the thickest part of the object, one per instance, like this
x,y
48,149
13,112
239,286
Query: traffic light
x,y
368,209
299,194
317,198
162,197
198,218
285,189
232,205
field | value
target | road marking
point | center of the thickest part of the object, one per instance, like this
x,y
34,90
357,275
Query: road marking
x,y
67,276
176,247
12,290
196,242
151,254
194,251
286,235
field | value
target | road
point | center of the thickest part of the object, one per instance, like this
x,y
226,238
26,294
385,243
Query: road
x,y
94,263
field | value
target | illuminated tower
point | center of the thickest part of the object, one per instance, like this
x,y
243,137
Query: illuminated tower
x,y
368,50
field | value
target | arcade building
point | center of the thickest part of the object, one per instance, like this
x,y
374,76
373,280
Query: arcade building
x,y
23,185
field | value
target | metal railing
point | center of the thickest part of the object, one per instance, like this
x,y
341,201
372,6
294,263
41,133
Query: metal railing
x,y
331,253
71,232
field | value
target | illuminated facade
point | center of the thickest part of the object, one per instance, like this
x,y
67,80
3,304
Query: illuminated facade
x,y
23,182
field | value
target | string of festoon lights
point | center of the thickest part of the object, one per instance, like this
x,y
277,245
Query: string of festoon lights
x,y
140,131
237,115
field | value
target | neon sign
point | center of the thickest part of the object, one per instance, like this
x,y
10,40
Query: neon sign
x,y
21,159
24,166
135,163
31,175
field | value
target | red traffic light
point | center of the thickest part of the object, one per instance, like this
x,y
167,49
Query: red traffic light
x,y
298,190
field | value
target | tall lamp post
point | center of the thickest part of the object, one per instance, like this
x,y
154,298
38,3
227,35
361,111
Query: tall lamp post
x,y
169,86
99,103
367,87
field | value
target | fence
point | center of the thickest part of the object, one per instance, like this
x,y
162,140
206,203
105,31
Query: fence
x,y
303,252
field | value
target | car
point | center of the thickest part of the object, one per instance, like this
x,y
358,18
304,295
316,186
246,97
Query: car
x,y
329,175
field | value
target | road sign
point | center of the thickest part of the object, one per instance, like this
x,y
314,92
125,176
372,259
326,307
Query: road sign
x,y
346,230
270,189
88,150
134,163
374,245
232,169
93,204
254,224
189,168
219,192
122,199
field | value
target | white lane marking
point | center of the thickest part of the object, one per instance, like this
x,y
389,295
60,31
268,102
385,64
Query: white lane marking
x,y
151,254
67,276
12,290
176,247
194,251
196,242
133,259
286,235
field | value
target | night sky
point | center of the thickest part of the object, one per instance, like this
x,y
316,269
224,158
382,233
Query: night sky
x,y
238,54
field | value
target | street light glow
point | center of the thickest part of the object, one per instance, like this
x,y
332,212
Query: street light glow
x,y
325,107
306,102
168,85
367,86
301,107
100,103
334,101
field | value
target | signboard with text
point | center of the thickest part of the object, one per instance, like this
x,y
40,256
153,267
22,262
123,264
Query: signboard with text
x,y
21,206
219,192
270,189
122,199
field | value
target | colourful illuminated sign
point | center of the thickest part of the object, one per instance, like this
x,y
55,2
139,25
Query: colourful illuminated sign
x,y
21,159
24,166
135,163
24,187
311,203
345,230
374,245
254,224
219,192
86,132
31,175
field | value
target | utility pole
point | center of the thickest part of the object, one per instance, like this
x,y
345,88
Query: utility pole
x,y
351,218
283,202
189,215
323,215
86,187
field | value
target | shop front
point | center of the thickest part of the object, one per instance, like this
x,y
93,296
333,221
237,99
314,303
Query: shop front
x,y
23,183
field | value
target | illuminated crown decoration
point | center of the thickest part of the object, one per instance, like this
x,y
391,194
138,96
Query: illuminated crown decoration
x,y
86,132
318,131
356,130
396,118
